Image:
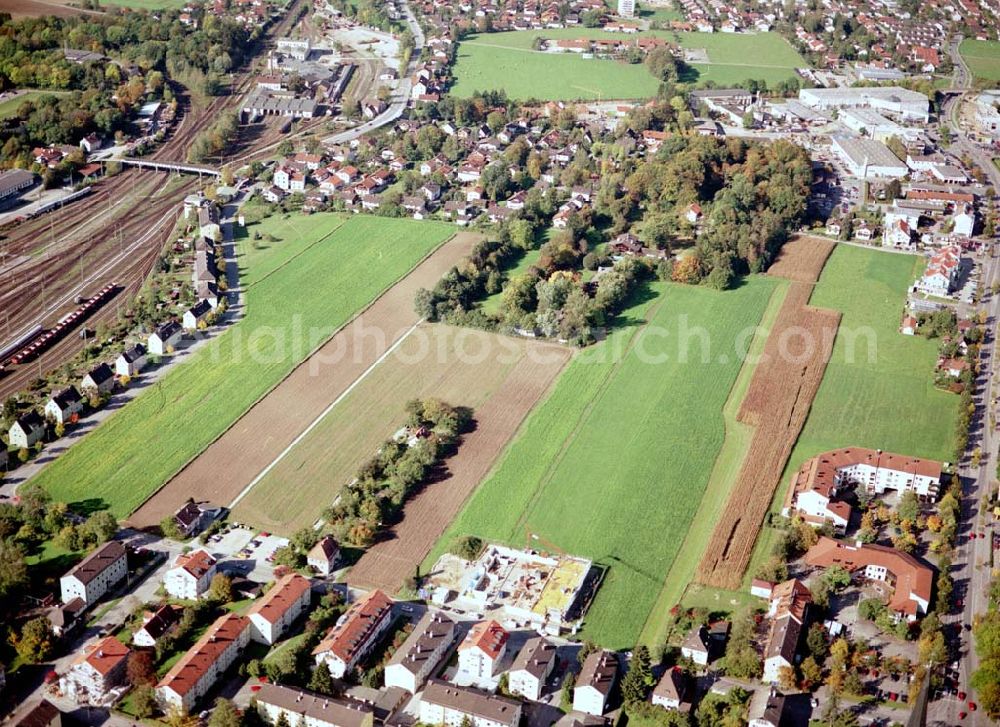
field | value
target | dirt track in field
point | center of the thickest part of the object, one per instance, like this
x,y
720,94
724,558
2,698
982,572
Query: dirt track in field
x,y
232,461
777,404
392,560
37,8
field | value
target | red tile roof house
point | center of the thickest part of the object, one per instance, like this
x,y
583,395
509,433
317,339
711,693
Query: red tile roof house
x,y
278,609
323,556
97,671
910,579
204,663
480,654
355,634
191,575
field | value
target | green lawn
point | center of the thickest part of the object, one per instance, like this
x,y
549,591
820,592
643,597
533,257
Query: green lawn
x,y
983,57
507,61
614,464
299,290
878,390
9,107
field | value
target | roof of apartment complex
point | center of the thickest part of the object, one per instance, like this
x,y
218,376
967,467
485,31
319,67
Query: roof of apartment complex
x,y
599,671
354,627
472,701
197,563
431,631
314,706
910,574
819,473
489,636
199,659
104,655
97,562
535,657
282,596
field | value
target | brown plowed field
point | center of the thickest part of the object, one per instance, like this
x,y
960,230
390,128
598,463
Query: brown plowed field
x,y
393,559
461,366
802,258
777,404
37,8
232,462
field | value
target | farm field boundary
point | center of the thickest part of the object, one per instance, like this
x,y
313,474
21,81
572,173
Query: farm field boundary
x,y
250,444
776,405
286,316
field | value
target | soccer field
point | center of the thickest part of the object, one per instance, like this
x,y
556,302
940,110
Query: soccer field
x,y
983,57
506,61
300,288
614,464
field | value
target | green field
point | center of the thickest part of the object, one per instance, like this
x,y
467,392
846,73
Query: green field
x,y
507,61
878,389
8,107
614,464
299,289
983,58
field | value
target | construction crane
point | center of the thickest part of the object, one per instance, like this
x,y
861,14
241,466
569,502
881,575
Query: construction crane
x,y
530,539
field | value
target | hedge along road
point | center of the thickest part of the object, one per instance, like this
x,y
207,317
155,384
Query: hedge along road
x,y
260,436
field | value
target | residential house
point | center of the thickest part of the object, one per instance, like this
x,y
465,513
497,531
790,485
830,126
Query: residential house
x,y
595,682
910,579
38,714
99,380
96,574
64,406
204,663
323,556
704,643
273,614
355,634
26,430
191,575
98,670
671,690
532,668
156,624
165,338
64,618
943,271
771,711
131,361
91,143
421,653
446,704
197,316
482,650
300,707
193,517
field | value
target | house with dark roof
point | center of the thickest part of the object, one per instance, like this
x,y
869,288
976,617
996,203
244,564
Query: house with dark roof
x,y
96,574
597,678
444,703
532,667
196,316
193,517
422,651
301,707
64,405
26,430
131,361
671,690
165,338
38,714
99,380
65,617
323,556
157,624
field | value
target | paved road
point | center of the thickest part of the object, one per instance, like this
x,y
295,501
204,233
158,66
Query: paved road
x,y
401,95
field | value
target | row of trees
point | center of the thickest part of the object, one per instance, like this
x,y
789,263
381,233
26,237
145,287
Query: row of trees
x,y
401,465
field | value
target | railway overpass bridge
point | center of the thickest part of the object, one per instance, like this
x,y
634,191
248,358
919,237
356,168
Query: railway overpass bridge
x,y
166,166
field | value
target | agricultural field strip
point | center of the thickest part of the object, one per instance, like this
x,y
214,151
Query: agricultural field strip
x,y
323,414
273,420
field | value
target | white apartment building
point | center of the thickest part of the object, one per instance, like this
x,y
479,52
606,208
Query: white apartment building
x,y
96,574
277,610
446,704
532,668
191,575
420,654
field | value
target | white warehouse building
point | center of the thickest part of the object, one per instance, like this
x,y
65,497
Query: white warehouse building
x,y
867,158
894,100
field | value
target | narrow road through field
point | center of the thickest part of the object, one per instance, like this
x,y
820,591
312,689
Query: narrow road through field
x,y
258,438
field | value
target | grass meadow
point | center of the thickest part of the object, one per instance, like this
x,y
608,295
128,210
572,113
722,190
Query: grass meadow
x,y
9,107
507,61
312,278
613,466
878,390
983,57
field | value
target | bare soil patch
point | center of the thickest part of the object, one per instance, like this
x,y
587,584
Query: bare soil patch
x,y
777,403
802,258
255,440
37,8
393,559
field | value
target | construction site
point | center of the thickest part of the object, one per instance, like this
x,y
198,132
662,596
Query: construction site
x,y
522,588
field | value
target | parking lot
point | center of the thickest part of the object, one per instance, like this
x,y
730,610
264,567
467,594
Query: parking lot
x,y
242,551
